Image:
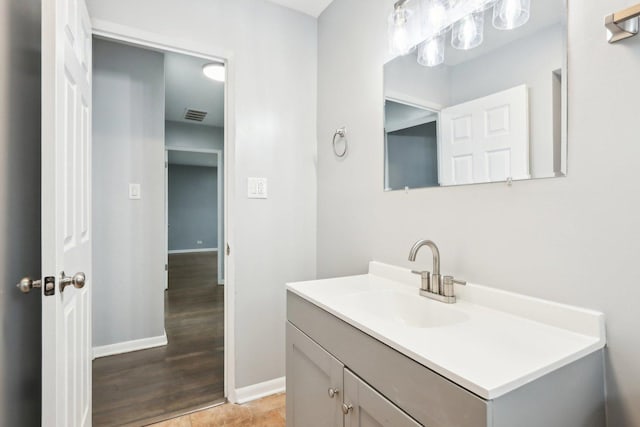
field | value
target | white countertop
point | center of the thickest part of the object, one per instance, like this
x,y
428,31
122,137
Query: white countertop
x,y
492,343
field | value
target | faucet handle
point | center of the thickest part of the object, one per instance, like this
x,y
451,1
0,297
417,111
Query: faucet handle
x,y
421,273
426,279
447,285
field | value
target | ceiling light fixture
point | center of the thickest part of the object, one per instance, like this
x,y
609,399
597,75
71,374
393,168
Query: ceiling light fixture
x,y
214,71
426,23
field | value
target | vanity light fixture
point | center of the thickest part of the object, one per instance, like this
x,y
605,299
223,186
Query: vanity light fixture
x,y
399,35
511,14
426,23
468,32
431,52
214,71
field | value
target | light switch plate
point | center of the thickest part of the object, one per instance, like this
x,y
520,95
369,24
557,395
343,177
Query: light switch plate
x,y
257,188
134,191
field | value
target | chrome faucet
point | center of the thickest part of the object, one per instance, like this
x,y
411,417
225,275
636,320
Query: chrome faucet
x,y
434,285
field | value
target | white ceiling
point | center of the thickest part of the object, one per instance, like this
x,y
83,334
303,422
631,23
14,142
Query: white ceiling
x,y
187,87
188,158
310,7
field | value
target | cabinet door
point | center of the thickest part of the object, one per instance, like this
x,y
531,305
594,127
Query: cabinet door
x,y
311,374
365,407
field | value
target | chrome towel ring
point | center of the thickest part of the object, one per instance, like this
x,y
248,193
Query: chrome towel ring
x,y
342,133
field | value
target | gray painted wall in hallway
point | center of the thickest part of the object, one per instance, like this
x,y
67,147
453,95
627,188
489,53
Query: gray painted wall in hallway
x,y
412,157
20,315
575,240
128,147
193,207
192,136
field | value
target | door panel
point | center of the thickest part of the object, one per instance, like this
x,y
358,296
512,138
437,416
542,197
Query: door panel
x,y
311,372
486,140
369,408
66,212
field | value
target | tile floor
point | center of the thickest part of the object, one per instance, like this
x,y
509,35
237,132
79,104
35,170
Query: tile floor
x,y
266,412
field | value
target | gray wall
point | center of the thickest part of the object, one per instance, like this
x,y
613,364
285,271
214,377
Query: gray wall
x,y
193,207
273,79
128,147
20,315
194,136
574,240
412,157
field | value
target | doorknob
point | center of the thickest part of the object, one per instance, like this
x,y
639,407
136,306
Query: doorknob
x,y
26,284
346,408
78,280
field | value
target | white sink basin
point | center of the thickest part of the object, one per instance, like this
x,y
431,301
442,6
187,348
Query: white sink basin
x,y
412,311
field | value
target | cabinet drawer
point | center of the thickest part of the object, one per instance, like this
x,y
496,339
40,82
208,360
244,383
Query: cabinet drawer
x,y
426,396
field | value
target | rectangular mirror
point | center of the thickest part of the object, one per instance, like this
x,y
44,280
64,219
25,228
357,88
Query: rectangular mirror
x,y
493,113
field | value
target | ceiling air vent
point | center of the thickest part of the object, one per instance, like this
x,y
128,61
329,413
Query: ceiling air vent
x,y
195,115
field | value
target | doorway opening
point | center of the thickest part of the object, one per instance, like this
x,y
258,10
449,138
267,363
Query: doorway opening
x,y
159,210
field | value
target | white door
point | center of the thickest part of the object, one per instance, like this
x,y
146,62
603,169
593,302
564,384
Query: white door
x,y
486,140
66,212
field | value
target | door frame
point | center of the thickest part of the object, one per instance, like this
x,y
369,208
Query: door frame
x,y
415,102
220,193
155,41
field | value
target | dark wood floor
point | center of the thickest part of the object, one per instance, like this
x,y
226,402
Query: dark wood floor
x,y
145,386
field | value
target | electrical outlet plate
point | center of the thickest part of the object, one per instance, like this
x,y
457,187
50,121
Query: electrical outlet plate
x,y
257,188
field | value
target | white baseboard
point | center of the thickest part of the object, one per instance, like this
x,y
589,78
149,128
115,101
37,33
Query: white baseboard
x,y
260,390
188,251
127,346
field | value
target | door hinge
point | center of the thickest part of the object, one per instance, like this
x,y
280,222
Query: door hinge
x,y
228,249
166,267
166,164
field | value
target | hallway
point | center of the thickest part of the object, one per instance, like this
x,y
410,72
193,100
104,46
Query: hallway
x,y
150,385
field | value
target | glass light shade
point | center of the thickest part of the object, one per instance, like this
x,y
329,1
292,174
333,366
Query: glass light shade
x,y
510,14
435,16
468,32
399,36
431,52
214,72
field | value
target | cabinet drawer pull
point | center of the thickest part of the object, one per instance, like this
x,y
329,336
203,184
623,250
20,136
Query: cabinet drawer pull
x,y
346,408
333,392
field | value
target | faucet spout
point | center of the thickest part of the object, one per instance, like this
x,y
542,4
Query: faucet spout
x,y
434,249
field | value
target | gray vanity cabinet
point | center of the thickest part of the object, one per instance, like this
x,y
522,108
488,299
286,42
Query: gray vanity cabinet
x,y
366,407
386,388
314,383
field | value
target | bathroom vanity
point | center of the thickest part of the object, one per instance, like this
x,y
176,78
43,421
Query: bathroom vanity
x,y
367,350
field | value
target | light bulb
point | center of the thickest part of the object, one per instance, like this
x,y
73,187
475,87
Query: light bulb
x,y
214,71
431,52
435,13
469,31
510,14
399,37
